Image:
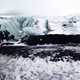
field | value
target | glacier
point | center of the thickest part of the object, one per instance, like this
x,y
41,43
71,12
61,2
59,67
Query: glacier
x,y
37,25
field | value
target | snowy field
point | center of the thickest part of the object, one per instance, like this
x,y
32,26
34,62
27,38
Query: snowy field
x,y
20,68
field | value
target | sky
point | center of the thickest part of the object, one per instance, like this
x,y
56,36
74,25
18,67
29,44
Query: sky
x,y
40,7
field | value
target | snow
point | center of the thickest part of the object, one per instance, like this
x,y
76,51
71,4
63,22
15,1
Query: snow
x,y
12,43
36,25
32,28
25,69
20,44
11,25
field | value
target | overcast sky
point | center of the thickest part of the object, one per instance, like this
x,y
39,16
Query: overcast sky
x,y
40,7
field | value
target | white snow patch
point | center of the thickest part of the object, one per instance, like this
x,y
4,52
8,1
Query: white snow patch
x,y
38,69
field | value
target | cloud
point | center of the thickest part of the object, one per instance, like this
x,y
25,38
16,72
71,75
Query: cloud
x,y
42,7
11,13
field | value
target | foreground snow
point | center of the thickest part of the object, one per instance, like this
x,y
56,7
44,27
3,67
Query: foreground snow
x,y
39,69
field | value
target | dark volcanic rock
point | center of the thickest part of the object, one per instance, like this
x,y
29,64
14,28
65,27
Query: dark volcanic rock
x,y
15,50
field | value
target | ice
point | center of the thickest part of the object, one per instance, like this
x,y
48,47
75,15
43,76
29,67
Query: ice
x,y
37,25
38,69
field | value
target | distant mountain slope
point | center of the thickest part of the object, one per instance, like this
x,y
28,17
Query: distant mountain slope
x,y
21,26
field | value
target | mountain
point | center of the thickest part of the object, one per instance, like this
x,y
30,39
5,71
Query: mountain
x,y
21,25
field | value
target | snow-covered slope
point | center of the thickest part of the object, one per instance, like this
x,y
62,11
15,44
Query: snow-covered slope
x,y
38,69
34,26
11,25
65,25
21,26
